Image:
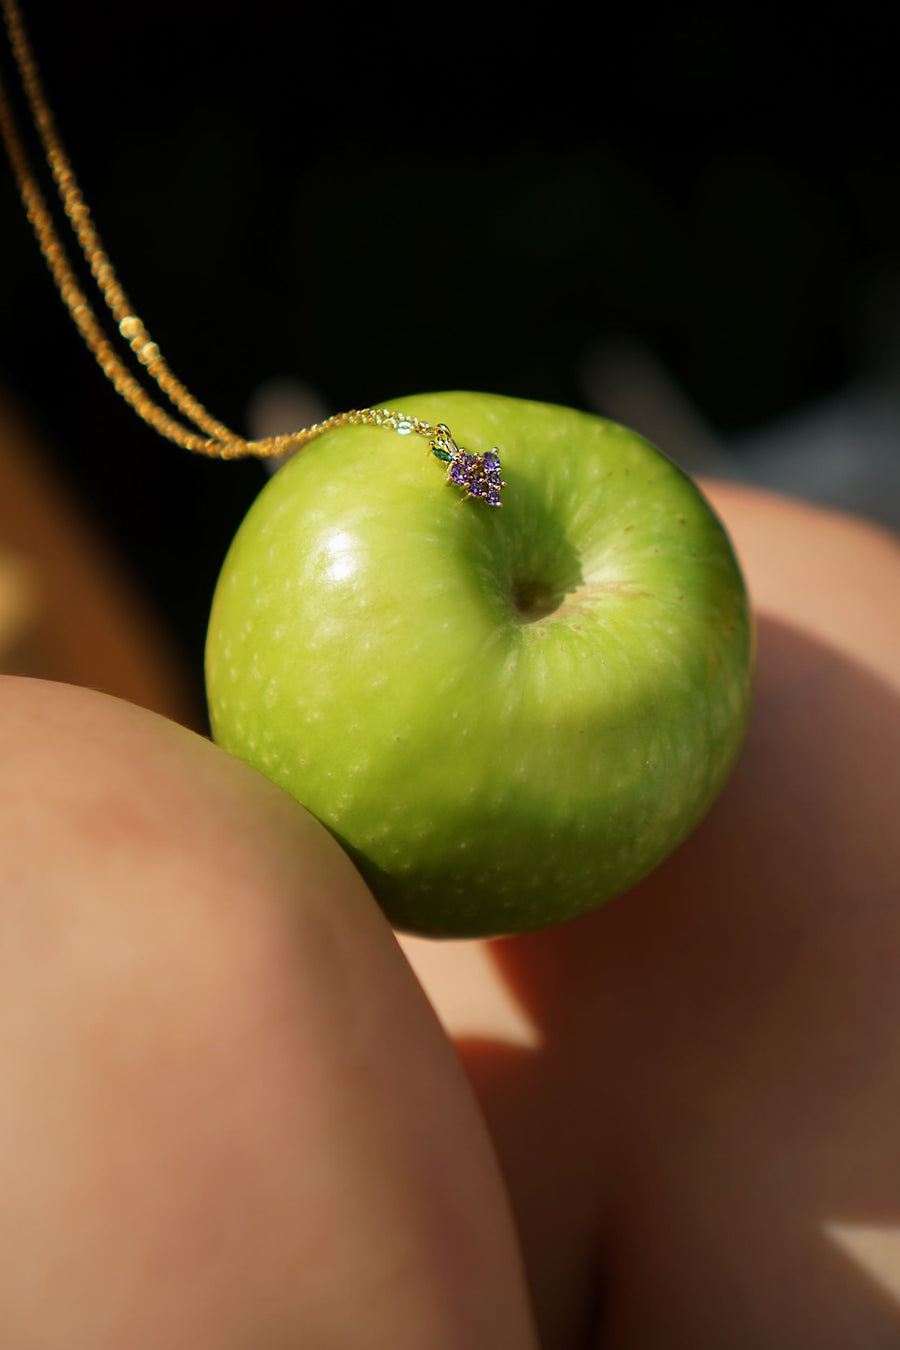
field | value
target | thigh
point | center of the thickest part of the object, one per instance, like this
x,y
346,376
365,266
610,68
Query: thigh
x,y
694,1091
228,1116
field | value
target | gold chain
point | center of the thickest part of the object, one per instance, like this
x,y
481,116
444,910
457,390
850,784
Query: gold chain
x,y
478,475
219,440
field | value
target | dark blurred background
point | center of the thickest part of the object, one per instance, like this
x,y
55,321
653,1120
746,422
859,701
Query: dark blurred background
x,y
684,216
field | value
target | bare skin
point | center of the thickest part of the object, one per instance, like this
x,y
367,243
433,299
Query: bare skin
x,y
230,1118
714,1083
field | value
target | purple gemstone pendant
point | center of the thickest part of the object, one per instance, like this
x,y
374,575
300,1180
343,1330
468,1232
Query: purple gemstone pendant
x,y
477,475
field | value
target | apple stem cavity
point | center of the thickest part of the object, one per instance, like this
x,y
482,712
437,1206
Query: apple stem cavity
x,y
535,600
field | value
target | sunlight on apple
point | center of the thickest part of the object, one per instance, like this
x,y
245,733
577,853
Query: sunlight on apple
x,y
340,549
469,994
874,1248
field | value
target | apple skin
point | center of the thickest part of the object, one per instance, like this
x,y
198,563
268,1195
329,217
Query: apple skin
x,y
506,717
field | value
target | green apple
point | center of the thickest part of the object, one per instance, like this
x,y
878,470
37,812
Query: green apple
x,y
506,717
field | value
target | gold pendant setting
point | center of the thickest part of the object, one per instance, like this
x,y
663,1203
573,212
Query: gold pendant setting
x,y
478,475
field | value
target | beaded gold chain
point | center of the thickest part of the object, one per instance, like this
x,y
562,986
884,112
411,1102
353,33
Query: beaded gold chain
x,y
478,475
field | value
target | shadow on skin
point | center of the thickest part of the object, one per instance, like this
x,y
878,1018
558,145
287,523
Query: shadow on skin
x,y
713,1095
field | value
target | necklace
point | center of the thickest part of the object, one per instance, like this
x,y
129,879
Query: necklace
x,y
478,475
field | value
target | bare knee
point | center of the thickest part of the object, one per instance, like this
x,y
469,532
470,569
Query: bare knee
x,y
229,1118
